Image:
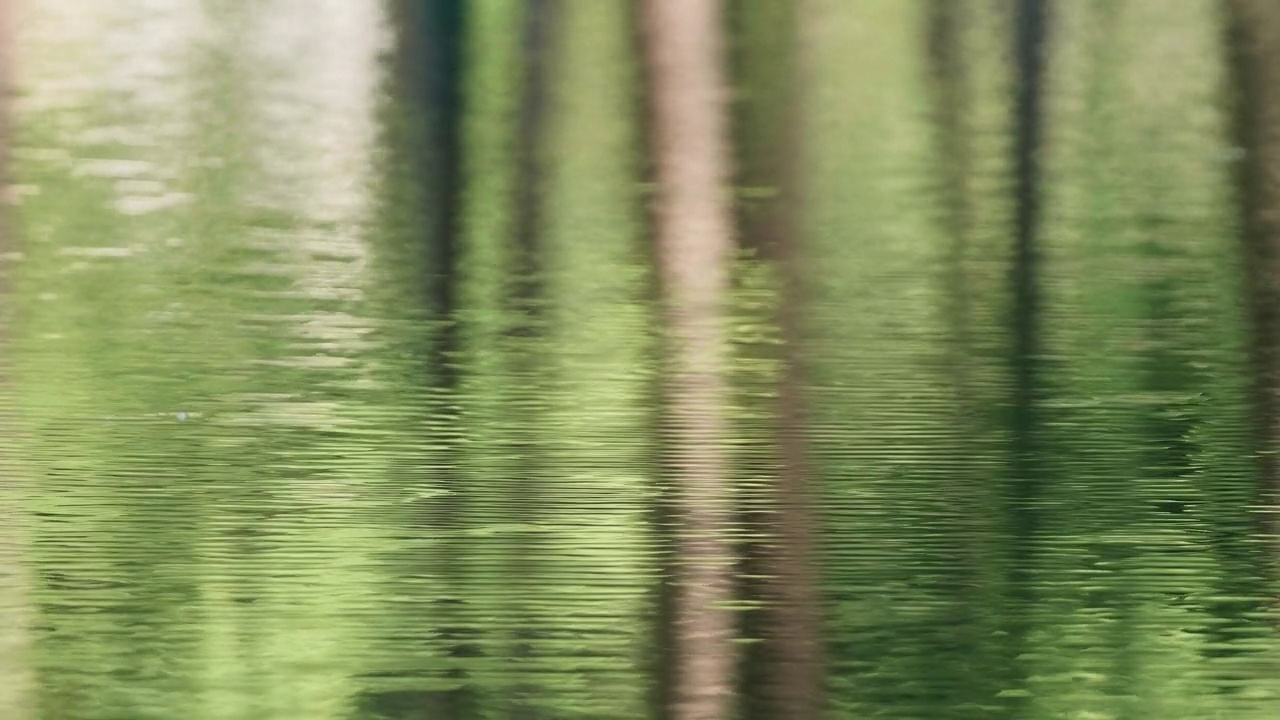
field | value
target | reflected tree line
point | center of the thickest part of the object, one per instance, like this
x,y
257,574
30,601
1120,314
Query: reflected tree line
x,y
713,224
723,88
682,49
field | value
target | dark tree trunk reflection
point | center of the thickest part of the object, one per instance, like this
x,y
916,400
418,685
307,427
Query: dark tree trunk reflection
x,y
1025,471
781,676
948,78
1030,26
428,69
435,49
1254,41
424,127
527,355
959,666
535,58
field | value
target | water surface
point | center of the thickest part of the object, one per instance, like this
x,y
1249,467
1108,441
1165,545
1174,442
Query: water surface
x,y
329,392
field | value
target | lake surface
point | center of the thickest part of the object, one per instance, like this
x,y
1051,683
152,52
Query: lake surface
x,y
328,381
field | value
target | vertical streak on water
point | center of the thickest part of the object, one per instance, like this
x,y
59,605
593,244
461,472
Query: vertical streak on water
x,y
527,497
781,672
1025,468
684,51
954,69
1253,34
797,681
1105,73
487,471
949,76
1029,58
421,220
444,69
596,326
540,17
15,673
443,22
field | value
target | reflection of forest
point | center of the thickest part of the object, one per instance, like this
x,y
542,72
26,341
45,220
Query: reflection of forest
x,y
348,389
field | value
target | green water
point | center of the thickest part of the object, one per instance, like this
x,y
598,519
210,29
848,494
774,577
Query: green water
x,y
273,451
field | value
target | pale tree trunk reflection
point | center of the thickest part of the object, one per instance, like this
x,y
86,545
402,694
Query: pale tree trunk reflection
x,y
683,50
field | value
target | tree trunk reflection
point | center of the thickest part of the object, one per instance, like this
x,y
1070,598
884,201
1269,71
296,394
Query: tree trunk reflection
x,y
683,50
782,672
1254,40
